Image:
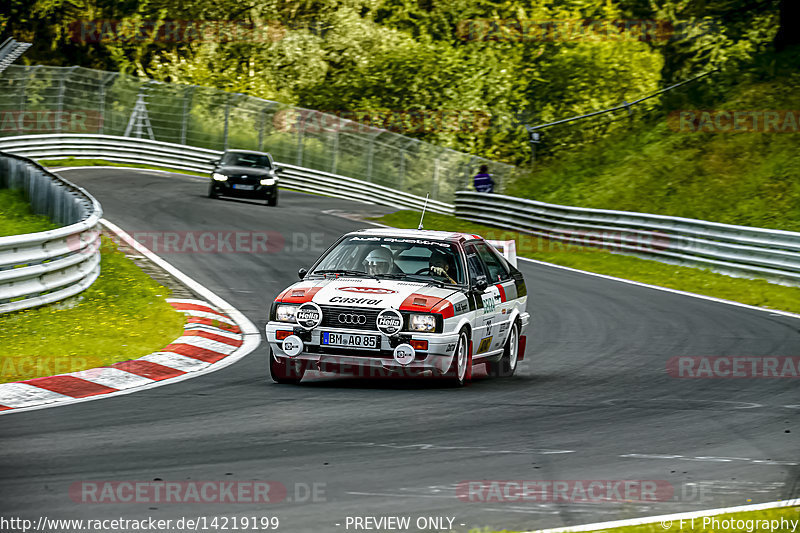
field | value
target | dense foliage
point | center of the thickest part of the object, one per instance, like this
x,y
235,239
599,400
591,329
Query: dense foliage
x,y
482,56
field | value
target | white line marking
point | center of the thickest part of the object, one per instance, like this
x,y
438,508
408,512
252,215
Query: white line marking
x,y
121,167
773,312
709,459
665,289
671,517
252,338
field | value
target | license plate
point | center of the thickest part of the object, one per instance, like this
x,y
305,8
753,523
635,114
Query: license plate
x,y
244,187
350,340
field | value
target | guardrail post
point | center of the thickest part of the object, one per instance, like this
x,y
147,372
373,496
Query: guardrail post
x,y
300,139
187,98
60,104
335,162
371,154
227,115
262,119
101,94
435,186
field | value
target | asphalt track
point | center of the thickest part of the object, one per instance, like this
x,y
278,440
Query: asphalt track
x,y
591,401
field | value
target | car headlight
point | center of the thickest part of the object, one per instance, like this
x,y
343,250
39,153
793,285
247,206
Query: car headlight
x,y
268,181
219,177
422,323
286,313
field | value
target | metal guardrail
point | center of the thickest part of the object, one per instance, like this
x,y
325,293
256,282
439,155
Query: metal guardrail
x,y
182,157
45,267
735,250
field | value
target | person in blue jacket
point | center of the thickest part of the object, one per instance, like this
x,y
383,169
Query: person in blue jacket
x,y
483,181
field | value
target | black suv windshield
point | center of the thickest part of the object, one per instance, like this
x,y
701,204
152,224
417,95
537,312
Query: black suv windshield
x,y
402,258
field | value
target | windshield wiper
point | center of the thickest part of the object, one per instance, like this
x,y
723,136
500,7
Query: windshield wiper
x,y
340,271
413,277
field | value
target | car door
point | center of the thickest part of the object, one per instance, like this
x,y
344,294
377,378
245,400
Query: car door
x,y
485,302
500,278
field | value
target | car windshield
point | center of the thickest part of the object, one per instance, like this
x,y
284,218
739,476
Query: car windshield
x,y
404,258
246,160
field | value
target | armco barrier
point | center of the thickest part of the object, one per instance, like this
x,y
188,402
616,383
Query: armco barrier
x,y
182,157
45,267
735,250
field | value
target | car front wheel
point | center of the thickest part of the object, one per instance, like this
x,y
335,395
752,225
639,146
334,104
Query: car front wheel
x,y
212,191
460,371
273,200
285,371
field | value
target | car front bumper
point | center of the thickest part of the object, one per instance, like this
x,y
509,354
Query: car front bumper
x,y
436,359
259,191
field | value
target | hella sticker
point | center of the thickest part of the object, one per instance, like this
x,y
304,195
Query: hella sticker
x,y
308,316
390,322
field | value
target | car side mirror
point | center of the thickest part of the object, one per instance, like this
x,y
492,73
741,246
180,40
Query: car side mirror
x,y
480,285
302,273
214,162
278,170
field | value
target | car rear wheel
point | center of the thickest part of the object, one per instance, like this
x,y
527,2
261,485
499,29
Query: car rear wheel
x,y
507,365
284,370
460,371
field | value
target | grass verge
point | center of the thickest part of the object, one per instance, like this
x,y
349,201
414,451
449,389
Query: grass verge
x,y
749,176
123,315
73,162
754,292
783,520
16,217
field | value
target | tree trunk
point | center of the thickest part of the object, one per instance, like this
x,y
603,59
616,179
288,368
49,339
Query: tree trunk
x,y
789,24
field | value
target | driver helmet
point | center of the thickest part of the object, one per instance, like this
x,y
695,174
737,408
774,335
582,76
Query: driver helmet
x,y
438,259
379,261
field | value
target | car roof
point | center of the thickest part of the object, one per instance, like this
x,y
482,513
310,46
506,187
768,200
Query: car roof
x,y
433,235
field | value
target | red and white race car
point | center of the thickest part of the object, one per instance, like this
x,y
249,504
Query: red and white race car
x,y
401,302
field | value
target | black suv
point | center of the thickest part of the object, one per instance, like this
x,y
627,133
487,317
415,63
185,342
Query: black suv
x,y
247,174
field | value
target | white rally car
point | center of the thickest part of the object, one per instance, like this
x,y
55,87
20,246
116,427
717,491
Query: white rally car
x,y
401,302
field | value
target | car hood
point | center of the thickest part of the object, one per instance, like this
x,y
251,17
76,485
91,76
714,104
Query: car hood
x,y
234,170
368,292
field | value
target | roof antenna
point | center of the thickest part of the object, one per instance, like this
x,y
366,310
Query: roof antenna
x,y
423,211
